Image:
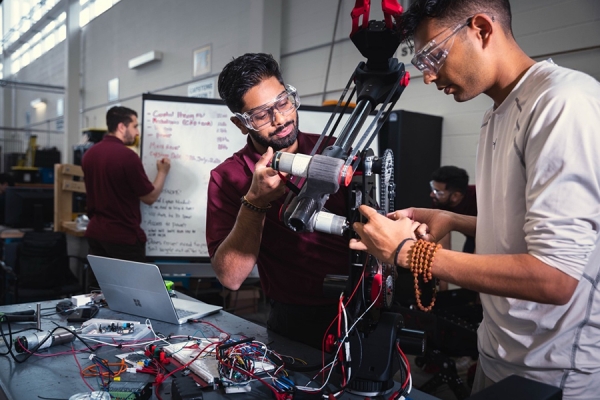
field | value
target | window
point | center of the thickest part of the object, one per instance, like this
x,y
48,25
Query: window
x,y
90,9
25,13
39,44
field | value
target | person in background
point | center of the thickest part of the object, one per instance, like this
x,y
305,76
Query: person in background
x,y
245,195
115,183
450,190
6,180
537,265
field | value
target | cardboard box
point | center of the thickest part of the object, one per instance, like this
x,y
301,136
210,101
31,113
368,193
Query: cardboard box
x,y
243,301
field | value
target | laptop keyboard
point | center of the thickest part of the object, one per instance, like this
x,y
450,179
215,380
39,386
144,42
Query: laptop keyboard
x,y
184,313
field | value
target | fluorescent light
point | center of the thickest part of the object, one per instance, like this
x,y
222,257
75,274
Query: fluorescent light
x,y
38,103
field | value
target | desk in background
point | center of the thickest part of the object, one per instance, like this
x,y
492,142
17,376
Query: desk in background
x,y
10,233
59,377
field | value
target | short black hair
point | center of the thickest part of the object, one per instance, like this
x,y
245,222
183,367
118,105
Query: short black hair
x,y
453,12
456,179
242,74
118,114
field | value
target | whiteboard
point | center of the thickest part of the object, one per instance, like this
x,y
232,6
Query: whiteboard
x,y
196,135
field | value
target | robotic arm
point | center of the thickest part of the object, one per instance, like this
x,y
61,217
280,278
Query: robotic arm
x,y
369,348
379,80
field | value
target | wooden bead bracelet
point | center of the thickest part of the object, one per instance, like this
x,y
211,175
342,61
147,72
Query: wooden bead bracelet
x,y
253,207
421,256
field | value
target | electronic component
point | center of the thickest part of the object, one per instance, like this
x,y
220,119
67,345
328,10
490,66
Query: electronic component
x,y
237,389
205,368
114,329
130,390
81,300
84,313
133,358
32,340
65,307
124,328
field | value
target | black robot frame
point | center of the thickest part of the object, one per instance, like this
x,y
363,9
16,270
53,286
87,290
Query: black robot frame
x,y
349,161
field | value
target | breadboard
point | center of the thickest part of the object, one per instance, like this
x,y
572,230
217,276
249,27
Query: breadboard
x,y
205,367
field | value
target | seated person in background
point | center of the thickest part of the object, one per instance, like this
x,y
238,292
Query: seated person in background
x,y
6,180
450,190
244,198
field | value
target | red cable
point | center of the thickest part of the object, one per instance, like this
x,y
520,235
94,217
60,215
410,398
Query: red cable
x,y
81,370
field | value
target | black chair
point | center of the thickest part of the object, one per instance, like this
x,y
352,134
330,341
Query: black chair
x,y
38,268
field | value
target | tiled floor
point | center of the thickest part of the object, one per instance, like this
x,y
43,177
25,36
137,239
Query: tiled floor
x,y
419,376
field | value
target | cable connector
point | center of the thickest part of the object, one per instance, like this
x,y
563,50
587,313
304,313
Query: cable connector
x,y
347,350
159,379
237,389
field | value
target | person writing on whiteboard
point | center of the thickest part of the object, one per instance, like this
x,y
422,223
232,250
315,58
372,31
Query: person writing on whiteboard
x,y
244,198
115,183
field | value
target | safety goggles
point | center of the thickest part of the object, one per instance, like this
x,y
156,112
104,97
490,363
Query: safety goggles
x,y
431,57
286,102
437,193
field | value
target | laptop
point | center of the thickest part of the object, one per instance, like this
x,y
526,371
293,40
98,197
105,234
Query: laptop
x,y
139,289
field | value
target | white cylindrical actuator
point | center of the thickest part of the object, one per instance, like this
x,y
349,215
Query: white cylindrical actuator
x,y
294,164
330,223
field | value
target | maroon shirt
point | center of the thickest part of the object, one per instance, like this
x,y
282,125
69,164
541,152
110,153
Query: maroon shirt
x,y
468,206
114,182
291,265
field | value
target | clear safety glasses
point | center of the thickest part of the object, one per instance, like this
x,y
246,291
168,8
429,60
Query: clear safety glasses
x,y
437,193
286,102
431,57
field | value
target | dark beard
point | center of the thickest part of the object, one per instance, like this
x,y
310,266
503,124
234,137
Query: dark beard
x,y
277,144
442,206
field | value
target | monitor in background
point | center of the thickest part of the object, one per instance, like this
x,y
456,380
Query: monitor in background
x,y
29,207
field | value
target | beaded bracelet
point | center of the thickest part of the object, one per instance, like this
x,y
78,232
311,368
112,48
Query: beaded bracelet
x,y
421,258
253,207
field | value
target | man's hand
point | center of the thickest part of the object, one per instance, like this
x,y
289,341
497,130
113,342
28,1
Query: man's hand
x,y
266,185
163,165
434,224
381,235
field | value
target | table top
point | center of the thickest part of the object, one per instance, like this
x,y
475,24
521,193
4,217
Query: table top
x,y
55,372
10,233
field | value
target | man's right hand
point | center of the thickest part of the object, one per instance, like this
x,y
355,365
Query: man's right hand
x,y
163,165
267,185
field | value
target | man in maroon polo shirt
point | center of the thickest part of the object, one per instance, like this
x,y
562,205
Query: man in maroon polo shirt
x,y
244,198
115,183
450,190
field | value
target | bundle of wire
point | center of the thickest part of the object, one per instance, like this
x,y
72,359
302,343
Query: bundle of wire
x,y
341,358
243,361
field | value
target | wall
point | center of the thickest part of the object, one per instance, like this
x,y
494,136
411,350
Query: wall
x,y
177,28
301,33
556,28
